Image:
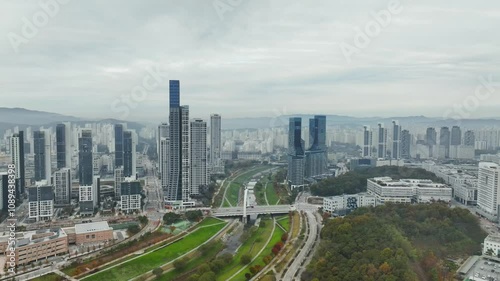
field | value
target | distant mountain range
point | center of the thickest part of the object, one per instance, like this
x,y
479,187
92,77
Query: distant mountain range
x,y
11,117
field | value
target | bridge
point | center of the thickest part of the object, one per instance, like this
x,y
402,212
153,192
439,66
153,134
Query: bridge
x,y
251,211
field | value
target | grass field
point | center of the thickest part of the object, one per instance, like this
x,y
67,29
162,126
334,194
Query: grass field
x,y
252,245
284,222
194,262
272,196
143,264
276,237
234,188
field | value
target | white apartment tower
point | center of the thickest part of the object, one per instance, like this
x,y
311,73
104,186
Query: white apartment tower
x,y
488,195
198,161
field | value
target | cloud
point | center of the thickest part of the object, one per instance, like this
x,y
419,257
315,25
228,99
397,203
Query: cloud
x,y
263,56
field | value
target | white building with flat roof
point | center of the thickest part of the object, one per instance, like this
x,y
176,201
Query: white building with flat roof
x,y
488,190
492,244
344,202
385,189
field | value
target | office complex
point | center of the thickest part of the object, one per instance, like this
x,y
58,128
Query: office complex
x,y
17,158
85,167
61,146
41,140
316,156
118,145
130,198
198,157
129,155
41,201
62,187
405,144
296,153
342,204
488,190
178,177
385,189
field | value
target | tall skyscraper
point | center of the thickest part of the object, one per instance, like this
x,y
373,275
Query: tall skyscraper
x,y
162,133
316,156
178,187
62,187
119,178
4,191
405,144
39,146
118,145
367,142
296,153
431,136
382,141
61,146
488,190
396,140
17,158
129,154
215,140
469,138
85,169
164,162
198,161
444,140
456,136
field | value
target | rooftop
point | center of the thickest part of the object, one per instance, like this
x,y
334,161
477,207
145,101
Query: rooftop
x,y
36,236
91,227
492,238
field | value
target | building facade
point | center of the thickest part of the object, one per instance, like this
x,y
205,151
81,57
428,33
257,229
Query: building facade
x,y
41,201
62,187
488,190
296,153
348,202
198,161
131,195
85,164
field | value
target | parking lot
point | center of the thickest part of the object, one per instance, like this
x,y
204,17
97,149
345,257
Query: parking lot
x,y
484,270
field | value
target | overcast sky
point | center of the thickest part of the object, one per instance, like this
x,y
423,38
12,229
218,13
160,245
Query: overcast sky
x,y
254,58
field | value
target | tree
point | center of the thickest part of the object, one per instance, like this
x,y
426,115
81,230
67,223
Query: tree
x,y
246,259
172,228
170,218
133,229
207,276
180,264
143,220
195,215
158,272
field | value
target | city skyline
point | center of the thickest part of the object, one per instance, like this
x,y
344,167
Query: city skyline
x,y
258,53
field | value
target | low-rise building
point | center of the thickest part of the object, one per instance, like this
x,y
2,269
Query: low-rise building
x,y
131,195
93,232
385,189
491,245
348,202
36,245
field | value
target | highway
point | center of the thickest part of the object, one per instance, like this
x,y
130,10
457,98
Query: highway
x,y
256,210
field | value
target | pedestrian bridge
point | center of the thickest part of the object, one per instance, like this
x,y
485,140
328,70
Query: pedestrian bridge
x,y
252,211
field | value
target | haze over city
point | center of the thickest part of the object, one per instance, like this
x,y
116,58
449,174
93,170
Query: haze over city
x,y
251,58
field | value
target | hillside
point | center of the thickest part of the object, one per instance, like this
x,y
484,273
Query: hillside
x,y
355,181
395,242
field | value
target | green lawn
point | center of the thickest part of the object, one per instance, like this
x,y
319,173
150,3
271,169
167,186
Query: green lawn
x,y
252,245
284,222
234,188
195,262
267,251
143,264
272,196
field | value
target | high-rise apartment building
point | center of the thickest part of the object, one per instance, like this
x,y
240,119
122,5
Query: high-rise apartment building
x,y
41,201
164,162
198,158
382,141
488,190
456,136
61,146
41,140
469,138
178,177
367,142
163,132
405,144
130,199
119,178
129,154
444,141
17,158
85,167
296,153
396,140
216,164
62,187
431,136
